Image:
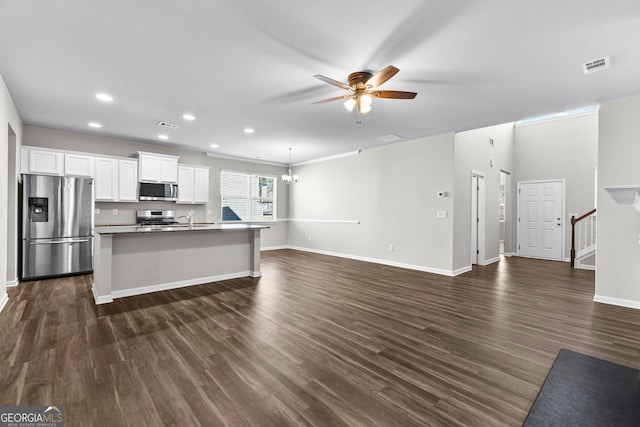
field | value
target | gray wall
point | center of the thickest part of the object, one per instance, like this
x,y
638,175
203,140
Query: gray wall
x,y
565,148
618,270
275,236
392,190
10,137
473,153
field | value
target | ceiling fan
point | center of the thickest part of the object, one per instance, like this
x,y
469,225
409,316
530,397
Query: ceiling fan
x,y
363,87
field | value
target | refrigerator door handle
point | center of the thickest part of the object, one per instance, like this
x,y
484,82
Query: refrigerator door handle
x,y
51,242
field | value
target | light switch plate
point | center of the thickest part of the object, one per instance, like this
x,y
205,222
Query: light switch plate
x,y
442,214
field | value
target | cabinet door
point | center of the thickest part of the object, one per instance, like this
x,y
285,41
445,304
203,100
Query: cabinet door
x,y
45,162
185,184
168,170
127,180
78,165
149,168
106,180
201,185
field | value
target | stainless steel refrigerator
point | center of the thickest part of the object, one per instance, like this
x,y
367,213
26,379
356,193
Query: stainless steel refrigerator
x,y
57,225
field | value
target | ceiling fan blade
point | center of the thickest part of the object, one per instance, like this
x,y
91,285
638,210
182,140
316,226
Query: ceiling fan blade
x,y
393,94
333,82
382,76
337,98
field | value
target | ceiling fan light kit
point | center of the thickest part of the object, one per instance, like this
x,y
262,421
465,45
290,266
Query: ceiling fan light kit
x,y
363,86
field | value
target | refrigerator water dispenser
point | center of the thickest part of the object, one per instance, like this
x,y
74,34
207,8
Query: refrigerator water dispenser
x,y
38,209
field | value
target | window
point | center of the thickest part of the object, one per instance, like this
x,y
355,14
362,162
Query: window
x,y
247,197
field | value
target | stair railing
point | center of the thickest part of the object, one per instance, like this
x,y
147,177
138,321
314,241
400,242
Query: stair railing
x,y
586,233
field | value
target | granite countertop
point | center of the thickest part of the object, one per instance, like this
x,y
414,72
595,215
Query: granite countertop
x,y
138,229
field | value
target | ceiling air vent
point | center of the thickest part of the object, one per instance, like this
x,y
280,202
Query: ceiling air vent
x,y
168,125
389,138
596,65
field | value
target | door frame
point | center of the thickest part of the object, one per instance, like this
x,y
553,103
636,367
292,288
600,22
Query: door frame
x,y
479,218
563,182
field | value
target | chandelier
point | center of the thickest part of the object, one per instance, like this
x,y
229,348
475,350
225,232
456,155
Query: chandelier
x,y
288,179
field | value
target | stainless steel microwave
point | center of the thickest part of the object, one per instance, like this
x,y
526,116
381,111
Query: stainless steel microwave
x,y
152,191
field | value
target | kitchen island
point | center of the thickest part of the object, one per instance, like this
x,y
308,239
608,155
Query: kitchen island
x,y
134,260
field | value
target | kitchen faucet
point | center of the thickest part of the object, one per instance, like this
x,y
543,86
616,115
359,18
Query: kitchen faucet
x,y
189,217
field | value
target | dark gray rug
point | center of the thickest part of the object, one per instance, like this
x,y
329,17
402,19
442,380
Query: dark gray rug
x,y
581,390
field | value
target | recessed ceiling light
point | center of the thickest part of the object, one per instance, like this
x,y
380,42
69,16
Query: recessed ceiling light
x,y
104,97
95,125
188,116
214,146
163,136
249,130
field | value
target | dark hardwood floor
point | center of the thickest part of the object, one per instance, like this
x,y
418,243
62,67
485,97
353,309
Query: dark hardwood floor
x,y
317,341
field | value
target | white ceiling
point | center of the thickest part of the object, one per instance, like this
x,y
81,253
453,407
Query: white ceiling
x,y
244,63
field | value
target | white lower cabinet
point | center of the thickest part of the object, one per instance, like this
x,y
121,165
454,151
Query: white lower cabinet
x,y
193,184
116,180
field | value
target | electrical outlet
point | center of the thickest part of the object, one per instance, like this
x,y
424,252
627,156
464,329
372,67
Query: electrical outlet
x,y
464,252
115,211
391,247
309,238
97,211
208,211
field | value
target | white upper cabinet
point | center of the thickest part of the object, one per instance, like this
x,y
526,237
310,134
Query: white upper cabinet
x,y
201,185
105,184
158,168
78,165
46,162
127,180
193,184
185,184
116,180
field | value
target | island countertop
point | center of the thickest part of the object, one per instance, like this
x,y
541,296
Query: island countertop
x,y
132,260
144,229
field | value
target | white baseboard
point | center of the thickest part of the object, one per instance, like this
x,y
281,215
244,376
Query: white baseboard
x,y
585,267
462,270
98,299
509,254
180,284
13,283
384,262
617,301
4,300
492,260
274,248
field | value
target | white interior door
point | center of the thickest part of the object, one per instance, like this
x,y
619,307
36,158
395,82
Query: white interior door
x,y
476,252
540,219
473,251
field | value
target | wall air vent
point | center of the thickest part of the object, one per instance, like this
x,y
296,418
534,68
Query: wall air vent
x,y
168,125
596,65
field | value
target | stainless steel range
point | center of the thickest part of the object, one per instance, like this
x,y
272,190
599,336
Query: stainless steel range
x,y
149,217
